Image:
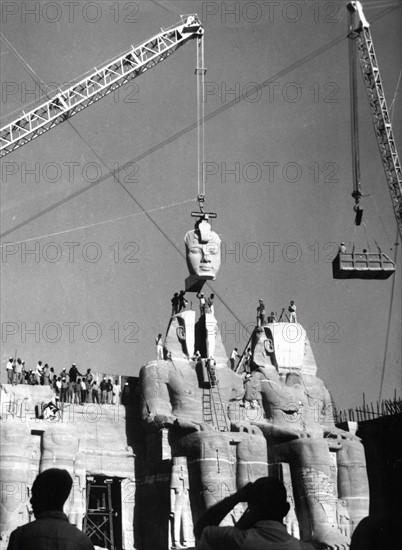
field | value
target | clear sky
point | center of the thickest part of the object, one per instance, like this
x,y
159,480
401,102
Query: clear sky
x,y
97,290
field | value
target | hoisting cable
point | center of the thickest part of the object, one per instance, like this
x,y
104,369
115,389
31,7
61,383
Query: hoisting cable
x,y
391,107
200,72
365,234
354,118
381,220
389,318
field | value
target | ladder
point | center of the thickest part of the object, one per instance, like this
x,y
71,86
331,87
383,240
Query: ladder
x,y
212,406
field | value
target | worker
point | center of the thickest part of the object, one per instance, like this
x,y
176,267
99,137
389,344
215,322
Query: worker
x,y
159,347
292,312
342,248
272,318
203,302
233,357
182,301
260,314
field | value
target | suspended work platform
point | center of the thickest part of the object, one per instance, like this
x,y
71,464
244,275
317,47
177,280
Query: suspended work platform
x,y
362,265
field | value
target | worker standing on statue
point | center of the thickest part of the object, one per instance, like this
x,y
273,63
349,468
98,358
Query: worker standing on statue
x,y
233,357
159,346
261,314
175,303
182,301
210,304
211,368
292,312
10,370
203,302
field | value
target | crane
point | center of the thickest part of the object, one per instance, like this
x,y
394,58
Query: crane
x,y
360,39
65,103
369,265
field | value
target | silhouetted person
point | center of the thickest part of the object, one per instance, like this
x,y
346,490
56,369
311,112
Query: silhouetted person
x,y
261,313
210,304
51,530
175,303
203,302
272,318
292,312
159,346
182,301
260,527
233,356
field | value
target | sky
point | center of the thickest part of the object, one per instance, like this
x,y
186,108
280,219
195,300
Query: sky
x,y
90,264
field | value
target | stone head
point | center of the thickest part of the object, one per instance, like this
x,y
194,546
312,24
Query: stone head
x,y
203,251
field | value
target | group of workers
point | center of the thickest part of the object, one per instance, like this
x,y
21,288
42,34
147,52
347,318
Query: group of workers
x,y
69,387
272,318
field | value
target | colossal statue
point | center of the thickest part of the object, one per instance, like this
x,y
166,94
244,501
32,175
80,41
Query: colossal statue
x,y
327,465
224,452
291,430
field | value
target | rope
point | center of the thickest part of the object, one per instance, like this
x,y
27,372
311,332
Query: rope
x,y
391,108
389,319
200,116
365,234
351,242
354,125
381,220
97,223
174,10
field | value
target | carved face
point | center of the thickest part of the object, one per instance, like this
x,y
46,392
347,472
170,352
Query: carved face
x,y
203,258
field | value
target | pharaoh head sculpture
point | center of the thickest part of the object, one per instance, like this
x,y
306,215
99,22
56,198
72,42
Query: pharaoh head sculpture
x,y
203,251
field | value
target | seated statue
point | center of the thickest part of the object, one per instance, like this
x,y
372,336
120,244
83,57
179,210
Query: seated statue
x,y
223,451
327,465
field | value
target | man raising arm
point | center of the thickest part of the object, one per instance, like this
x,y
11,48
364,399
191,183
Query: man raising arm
x,y
260,527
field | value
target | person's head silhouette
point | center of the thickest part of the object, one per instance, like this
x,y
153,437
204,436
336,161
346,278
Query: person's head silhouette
x,y
50,490
267,499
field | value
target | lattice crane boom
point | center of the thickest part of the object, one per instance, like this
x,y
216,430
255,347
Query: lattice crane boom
x,y
65,103
361,35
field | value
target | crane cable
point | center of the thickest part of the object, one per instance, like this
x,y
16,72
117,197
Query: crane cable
x,y
389,319
200,72
354,112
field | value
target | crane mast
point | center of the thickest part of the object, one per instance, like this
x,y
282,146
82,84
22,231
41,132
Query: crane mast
x,y
360,36
102,81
